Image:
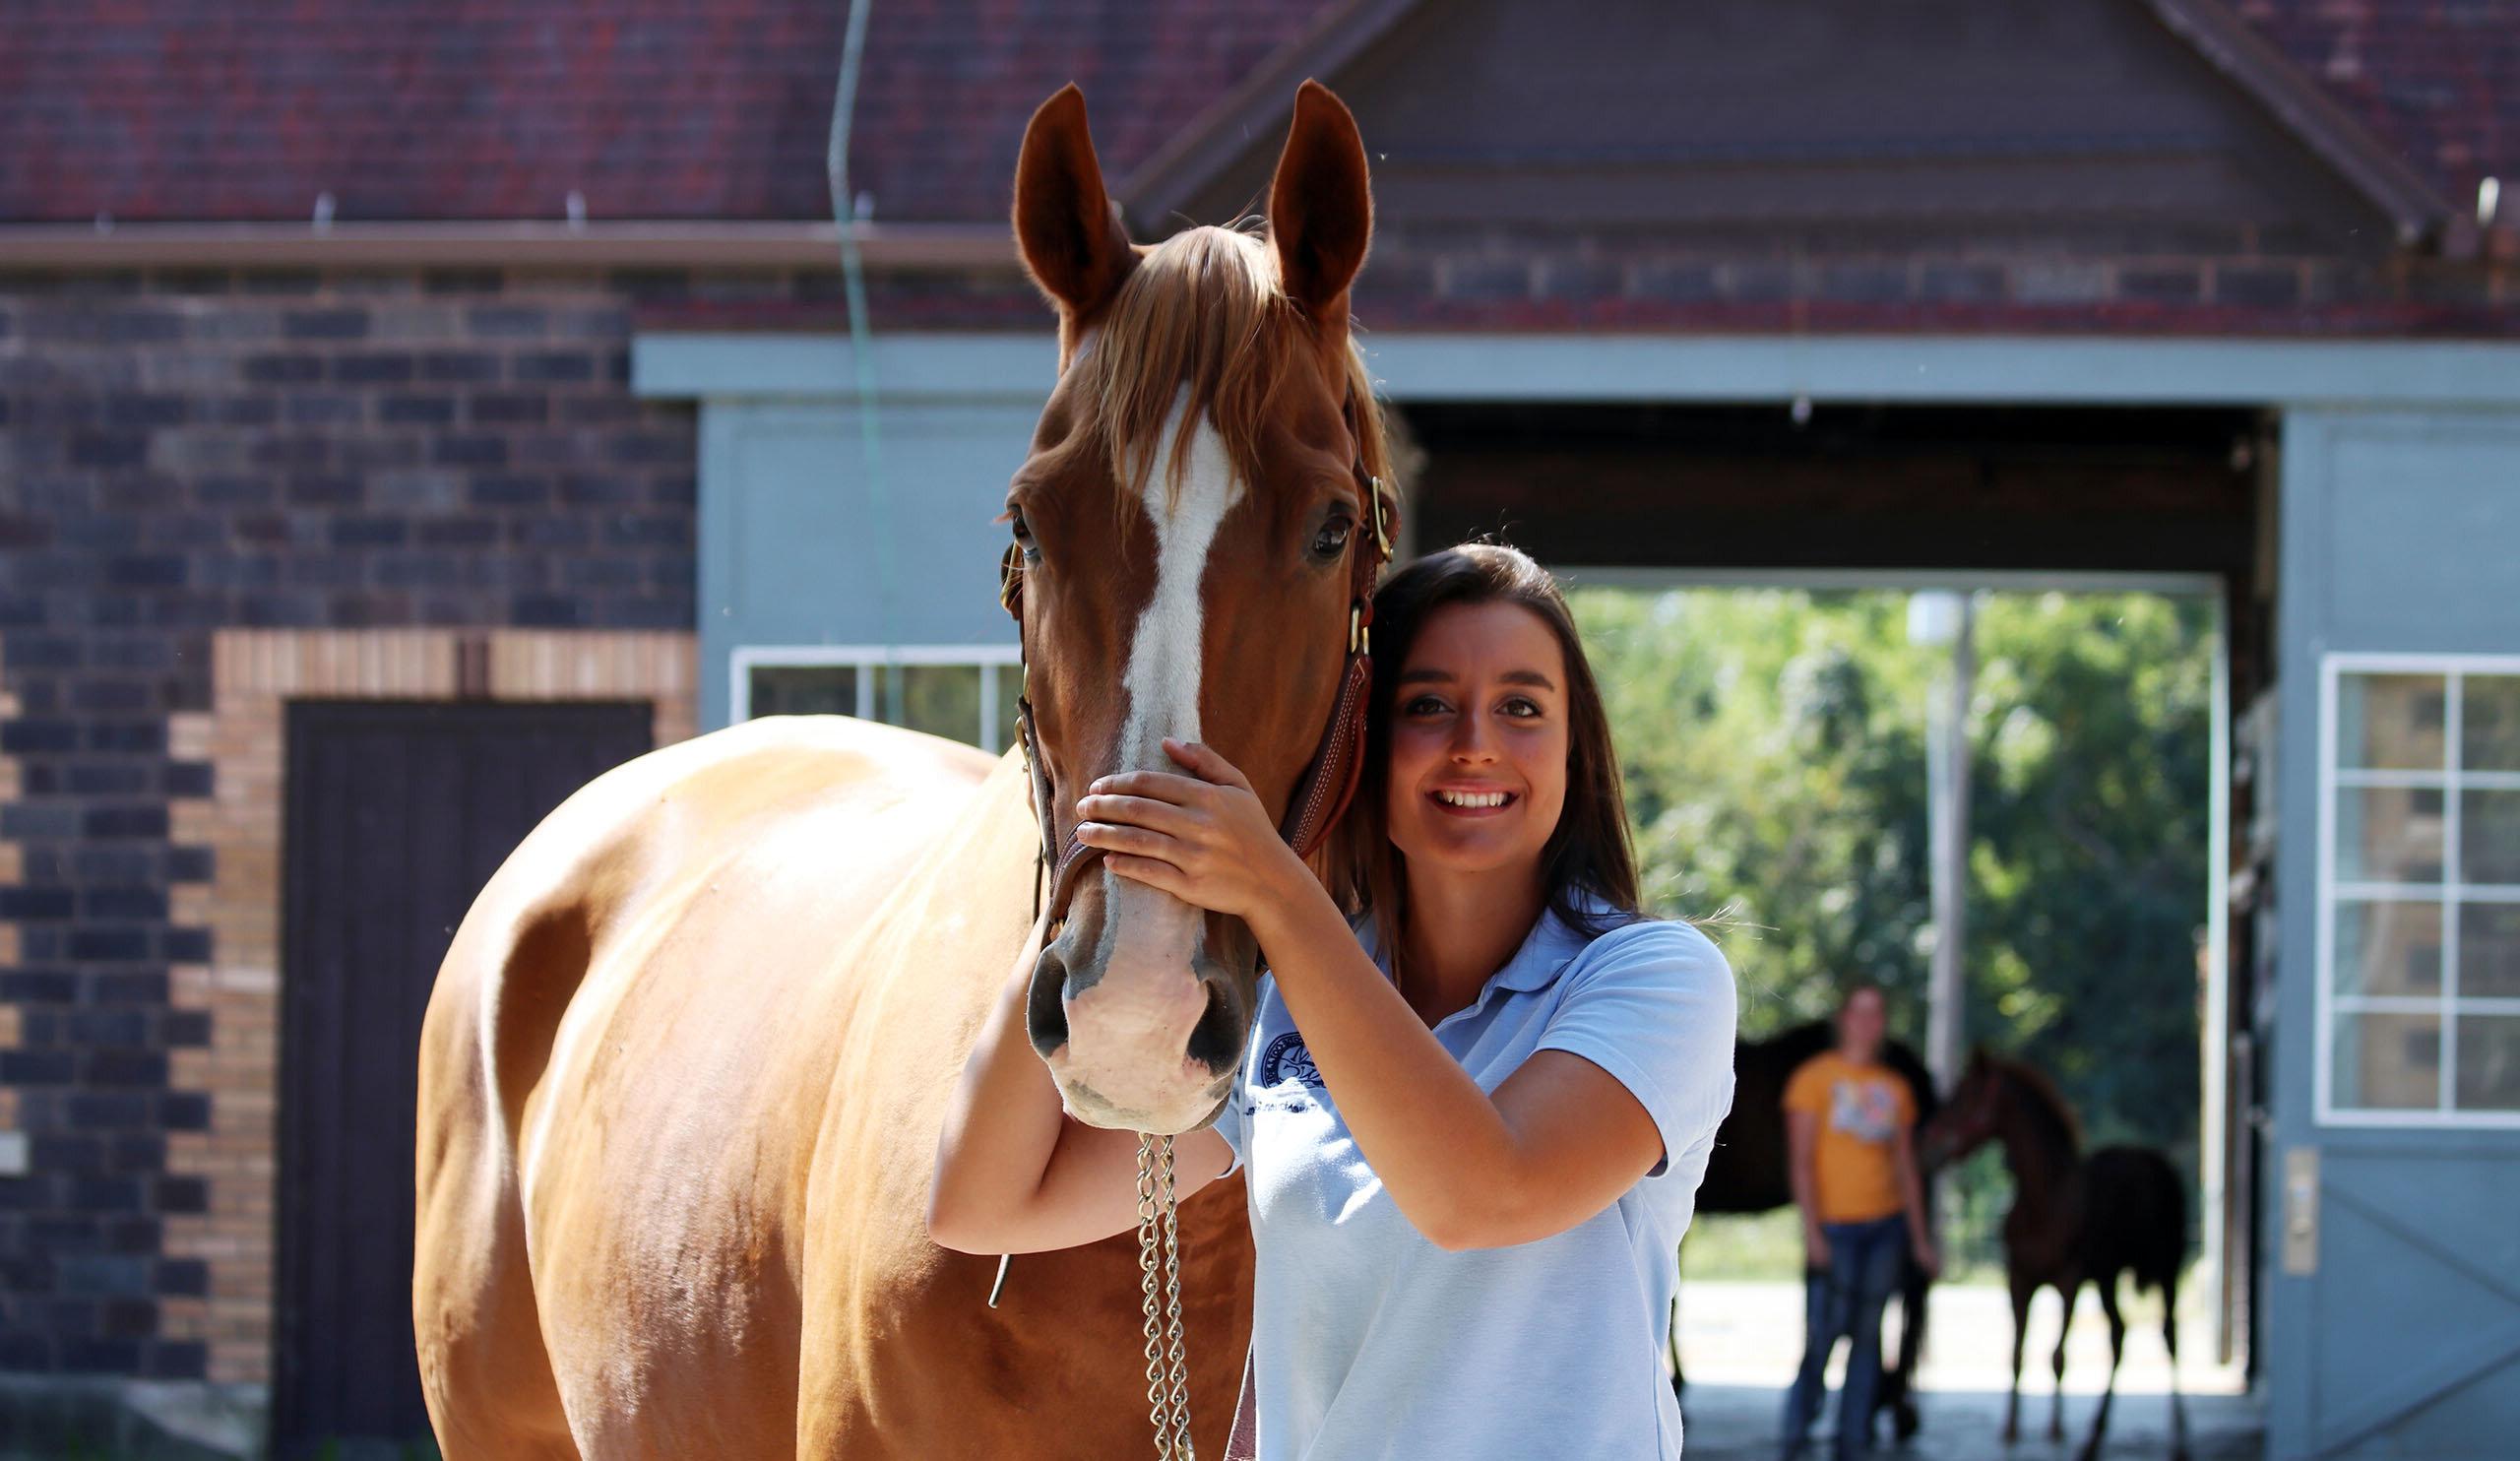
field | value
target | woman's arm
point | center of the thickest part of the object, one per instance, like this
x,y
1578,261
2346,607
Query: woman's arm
x,y
1560,1139
1015,1174
1802,1174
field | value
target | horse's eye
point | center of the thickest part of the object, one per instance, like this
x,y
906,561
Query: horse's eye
x,y
1023,532
1332,539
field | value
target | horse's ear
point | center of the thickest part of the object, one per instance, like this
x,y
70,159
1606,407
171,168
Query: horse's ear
x,y
1066,226
1321,207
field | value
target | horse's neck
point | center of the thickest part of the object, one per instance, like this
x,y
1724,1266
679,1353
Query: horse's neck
x,y
2041,1152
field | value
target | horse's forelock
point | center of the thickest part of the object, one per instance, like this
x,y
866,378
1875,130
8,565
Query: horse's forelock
x,y
1204,312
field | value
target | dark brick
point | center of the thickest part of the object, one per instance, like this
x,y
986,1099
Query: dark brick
x,y
191,865
233,491
142,327
181,1276
415,410
283,371
335,408
507,321
176,1360
554,366
138,1151
469,450
374,369
108,449
109,1068
105,1275
142,737
127,1318
184,945
459,367
109,943
89,1356
145,571
507,489
505,407
182,1194
25,904
546,611
183,1110
26,821
126,987
106,1194
122,903
311,489
188,779
355,530
124,820
35,737
325,324
247,410
184,1029
650,286
190,281
25,1067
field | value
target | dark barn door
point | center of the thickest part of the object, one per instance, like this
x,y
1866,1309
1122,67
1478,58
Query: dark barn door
x,y
398,813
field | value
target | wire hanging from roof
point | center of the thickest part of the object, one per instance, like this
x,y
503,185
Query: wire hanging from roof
x,y
846,212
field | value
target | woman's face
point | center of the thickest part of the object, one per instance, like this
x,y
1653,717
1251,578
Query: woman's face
x,y
1479,740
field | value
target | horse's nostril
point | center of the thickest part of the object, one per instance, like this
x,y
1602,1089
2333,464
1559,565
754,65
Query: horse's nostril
x,y
1216,1042
1045,1015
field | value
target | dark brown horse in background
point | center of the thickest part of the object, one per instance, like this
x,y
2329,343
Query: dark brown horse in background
x,y
1746,1175
2074,1220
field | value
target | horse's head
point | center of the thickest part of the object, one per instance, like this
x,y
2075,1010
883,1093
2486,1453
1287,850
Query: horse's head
x,y
1969,1120
1187,527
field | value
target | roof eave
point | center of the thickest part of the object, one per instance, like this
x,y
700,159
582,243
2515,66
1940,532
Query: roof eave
x,y
896,247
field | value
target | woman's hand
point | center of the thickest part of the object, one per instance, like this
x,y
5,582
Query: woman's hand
x,y
1204,838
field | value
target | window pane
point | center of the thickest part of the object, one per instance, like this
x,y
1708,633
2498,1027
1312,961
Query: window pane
x,y
2388,948
2388,834
2389,1062
2488,1073
804,689
2490,950
1010,687
939,699
2489,723
2390,722
2489,837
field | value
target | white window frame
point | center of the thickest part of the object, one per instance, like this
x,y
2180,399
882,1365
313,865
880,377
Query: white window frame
x,y
2451,893
866,658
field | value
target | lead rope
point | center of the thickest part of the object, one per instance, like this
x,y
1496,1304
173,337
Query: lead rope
x,y
1167,1360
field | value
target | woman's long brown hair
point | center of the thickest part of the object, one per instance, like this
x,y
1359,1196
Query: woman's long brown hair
x,y
1588,852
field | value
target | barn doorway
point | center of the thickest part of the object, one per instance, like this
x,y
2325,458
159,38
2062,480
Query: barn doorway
x,y
397,813
2166,510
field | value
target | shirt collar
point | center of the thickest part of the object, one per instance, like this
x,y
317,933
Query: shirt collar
x,y
1550,945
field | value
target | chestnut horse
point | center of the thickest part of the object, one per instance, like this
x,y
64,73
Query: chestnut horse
x,y
686,1060
2075,1219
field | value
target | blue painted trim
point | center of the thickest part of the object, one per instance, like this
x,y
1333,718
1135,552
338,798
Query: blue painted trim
x,y
2077,371
908,367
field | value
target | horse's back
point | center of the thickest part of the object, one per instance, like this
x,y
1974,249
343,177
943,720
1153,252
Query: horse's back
x,y
2135,1215
620,1083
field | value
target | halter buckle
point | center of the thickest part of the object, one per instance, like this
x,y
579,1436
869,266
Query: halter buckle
x,y
1382,539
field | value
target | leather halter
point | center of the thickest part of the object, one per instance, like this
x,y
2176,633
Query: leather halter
x,y
1329,780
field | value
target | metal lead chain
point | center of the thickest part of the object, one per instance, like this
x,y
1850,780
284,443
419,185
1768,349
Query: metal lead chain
x,y
1167,1369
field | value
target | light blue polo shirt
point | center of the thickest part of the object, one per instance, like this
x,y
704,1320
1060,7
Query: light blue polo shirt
x,y
1371,1342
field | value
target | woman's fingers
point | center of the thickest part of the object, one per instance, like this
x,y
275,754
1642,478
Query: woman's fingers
x,y
1153,786
1138,811
1155,872
1203,759
1120,837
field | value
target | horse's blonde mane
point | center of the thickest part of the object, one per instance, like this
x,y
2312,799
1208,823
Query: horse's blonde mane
x,y
1204,309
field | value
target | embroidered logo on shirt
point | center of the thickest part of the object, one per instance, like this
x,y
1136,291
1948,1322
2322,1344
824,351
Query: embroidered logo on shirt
x,y
1287,1056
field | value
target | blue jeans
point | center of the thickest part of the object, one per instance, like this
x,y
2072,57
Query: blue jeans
x,y
1845,1300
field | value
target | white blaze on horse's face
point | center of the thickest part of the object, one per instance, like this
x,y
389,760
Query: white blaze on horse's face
x,y
1138,981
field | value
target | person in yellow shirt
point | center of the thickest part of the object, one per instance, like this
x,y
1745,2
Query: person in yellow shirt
x,y
1850,1151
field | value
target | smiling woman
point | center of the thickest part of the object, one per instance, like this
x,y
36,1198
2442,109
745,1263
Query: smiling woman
x,y
1475,1099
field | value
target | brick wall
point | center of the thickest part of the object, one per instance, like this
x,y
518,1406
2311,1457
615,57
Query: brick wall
x,y
183,454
